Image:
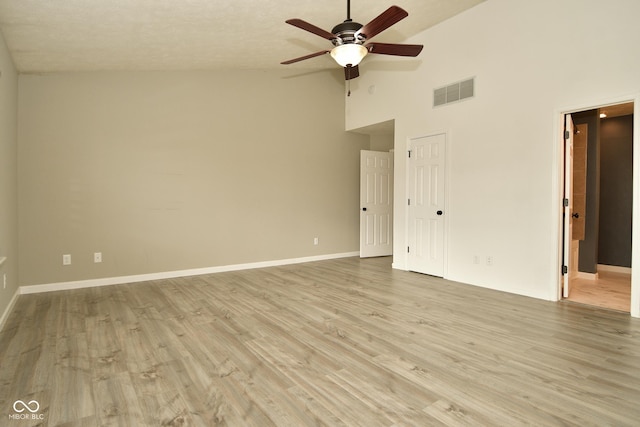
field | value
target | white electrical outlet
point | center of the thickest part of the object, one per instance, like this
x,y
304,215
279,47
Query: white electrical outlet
x,y
66,259
489,260
97,257
315,240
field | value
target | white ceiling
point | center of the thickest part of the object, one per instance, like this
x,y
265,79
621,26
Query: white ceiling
x,y
617,110
84,35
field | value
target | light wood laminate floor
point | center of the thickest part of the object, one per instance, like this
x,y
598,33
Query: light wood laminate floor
x,y
609,290
345,342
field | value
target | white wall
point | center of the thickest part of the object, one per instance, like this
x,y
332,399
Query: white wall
x,y
8,178
173,171
532,61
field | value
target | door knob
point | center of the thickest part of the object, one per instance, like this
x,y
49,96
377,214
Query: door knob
x,y
575,215
364,209
439,212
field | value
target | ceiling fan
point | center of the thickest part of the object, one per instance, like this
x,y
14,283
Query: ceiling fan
x,y
350,38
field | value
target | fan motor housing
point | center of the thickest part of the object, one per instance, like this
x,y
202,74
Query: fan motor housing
x,y
346,33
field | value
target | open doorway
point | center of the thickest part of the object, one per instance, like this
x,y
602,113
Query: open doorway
x,y
598,206
376,190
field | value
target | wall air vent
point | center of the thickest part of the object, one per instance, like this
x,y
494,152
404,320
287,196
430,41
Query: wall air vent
x,y
454,92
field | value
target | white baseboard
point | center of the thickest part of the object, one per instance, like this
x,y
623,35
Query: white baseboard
x,y
107,281
9,309
614,269
586,276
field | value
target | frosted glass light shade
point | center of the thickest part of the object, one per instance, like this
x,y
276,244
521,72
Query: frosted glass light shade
x,y
349,54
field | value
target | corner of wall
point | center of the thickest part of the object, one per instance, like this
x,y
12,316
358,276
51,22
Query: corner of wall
x,y
8,181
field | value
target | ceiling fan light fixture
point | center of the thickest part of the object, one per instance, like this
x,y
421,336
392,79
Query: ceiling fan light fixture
x,y
348,54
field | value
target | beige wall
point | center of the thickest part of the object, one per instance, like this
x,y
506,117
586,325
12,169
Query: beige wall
x,y
167,171
8,177
381,141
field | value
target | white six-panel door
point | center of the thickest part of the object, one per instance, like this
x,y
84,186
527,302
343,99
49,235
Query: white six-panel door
x,y
376,203
426,231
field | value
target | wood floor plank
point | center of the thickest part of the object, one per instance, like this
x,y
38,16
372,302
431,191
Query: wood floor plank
x,y
118,404
344,342
74,376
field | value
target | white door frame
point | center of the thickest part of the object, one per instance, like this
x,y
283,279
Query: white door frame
x,y
557,193
567,210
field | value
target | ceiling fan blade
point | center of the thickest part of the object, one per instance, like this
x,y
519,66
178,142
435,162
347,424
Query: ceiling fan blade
x,y
302,58
394,49
351,72
383,21
311,28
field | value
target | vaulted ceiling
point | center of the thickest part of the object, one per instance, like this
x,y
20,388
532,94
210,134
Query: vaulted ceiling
x,y
87,35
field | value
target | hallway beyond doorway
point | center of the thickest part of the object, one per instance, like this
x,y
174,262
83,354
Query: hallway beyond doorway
x,y
610,290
